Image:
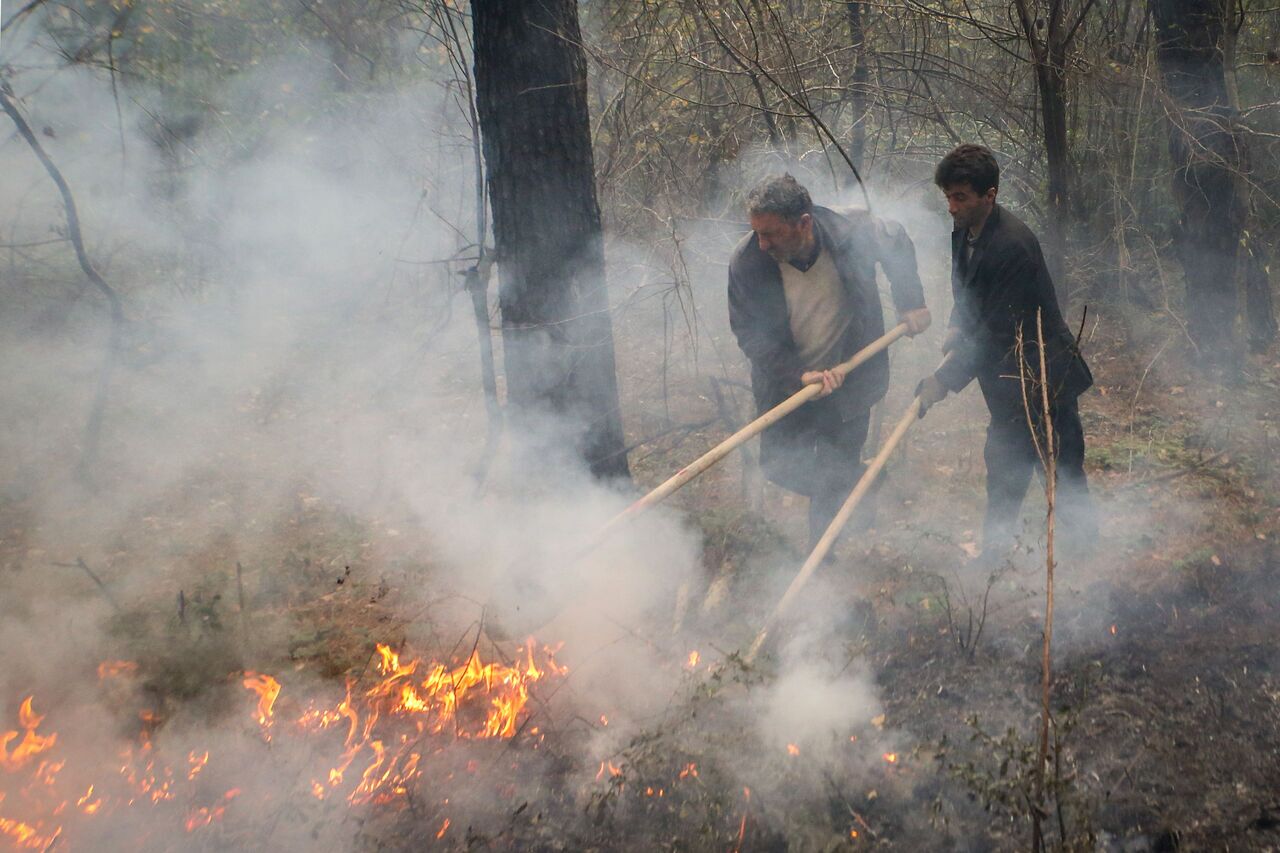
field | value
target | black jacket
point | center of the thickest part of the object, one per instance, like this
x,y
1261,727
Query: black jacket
x,y
759,318
996,292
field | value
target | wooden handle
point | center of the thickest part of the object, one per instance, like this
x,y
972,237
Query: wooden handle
x,y
833,530
759,425
727,446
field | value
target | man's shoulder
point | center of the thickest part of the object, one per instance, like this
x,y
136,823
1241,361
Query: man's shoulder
x,y
1011,230
747,263
842,222
744,251
861,223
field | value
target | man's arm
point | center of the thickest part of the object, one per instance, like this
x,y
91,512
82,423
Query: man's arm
x,y
960,351
897,256
768,348
977,330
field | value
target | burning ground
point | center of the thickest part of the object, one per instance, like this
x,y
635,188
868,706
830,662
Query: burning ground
x,y
287,613
305,692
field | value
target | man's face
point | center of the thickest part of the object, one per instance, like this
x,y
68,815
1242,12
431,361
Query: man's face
x,y
968,209
783,241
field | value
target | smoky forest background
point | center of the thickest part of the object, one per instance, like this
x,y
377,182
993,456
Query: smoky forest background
x,y
334,332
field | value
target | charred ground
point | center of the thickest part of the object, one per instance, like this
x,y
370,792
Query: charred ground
x,y
1165,688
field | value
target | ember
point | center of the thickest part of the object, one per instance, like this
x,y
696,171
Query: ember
x,y
613,769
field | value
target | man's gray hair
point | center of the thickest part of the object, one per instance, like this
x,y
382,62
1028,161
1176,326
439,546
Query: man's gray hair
x,y
781,195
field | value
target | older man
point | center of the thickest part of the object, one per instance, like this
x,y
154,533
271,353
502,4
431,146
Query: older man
x,y
1001,284
802,299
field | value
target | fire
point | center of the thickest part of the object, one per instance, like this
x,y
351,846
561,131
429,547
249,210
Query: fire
x,y
116,668
742,827
205,815
379,732
891,757
792,749
31,744
86,806
694,657
472,700
690,769
267,689
197,763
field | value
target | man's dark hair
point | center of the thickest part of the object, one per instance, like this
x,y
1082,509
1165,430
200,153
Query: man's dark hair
x,y
782,195
970,164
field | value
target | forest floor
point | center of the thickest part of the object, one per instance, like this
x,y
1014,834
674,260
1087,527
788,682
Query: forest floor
x,y
1166,692
1166,672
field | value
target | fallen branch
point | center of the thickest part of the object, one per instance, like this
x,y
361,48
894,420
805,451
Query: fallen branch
x,y
1176,473
102,587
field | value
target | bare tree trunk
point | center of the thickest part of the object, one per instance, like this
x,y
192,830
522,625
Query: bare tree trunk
x,y
531,95
1254,258
1207,153
858,83
1049,34
1052,83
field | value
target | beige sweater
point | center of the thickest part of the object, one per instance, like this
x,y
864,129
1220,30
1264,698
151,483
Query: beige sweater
x,y
819,310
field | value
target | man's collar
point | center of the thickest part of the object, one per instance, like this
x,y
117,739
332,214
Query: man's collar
x,y
988,225
806,263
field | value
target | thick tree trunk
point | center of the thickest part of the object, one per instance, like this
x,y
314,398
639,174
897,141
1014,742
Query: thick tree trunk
x,y
1049,35
1207,154
531,95
1052,84
858,82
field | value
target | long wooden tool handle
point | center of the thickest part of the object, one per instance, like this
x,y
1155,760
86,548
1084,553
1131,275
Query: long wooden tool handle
x,y
759,425
833,530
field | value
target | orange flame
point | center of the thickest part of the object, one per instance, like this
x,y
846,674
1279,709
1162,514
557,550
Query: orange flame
x,y
116,668
31,744
267,689
205,815
197,763
379,728
471,700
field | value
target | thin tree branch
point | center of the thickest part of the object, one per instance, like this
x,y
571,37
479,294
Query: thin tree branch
x,y
94,426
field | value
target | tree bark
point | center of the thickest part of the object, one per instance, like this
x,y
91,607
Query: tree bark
x,y
1049,37
531,95
858,83
1052,83
1207,154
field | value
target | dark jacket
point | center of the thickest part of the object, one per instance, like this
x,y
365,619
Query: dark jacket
x,y
759,318
996,292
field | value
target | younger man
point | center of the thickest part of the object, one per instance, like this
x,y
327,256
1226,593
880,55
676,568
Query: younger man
x,y
1000,282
